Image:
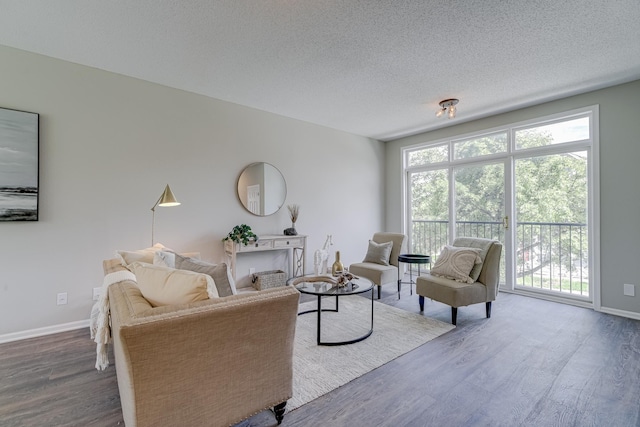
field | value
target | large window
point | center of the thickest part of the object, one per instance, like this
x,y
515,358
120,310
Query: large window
x,y
528,185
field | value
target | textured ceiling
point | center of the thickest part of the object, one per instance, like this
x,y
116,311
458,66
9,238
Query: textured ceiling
x,y
373,68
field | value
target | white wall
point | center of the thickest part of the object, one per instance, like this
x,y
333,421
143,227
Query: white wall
x,y
619,181
108,146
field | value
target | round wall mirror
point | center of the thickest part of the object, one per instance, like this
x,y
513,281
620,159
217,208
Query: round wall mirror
x,y
262,189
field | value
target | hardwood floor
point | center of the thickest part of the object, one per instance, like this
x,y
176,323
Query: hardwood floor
x,y
534,363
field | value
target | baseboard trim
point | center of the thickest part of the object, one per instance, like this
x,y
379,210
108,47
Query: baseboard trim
x,y
47,330
621,313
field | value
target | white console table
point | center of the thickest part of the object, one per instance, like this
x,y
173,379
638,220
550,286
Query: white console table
x,y
274,242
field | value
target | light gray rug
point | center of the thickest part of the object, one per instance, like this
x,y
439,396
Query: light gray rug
x,y
319,369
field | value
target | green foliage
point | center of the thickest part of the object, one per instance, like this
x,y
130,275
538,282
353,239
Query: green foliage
x,y
548,188
430,195
437,154
241,233
563,285
552,188
480,195
476,147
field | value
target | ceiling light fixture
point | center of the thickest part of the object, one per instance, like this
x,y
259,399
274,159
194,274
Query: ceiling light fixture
x,y
447,106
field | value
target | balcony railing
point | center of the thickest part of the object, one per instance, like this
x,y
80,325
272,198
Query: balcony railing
x,y
549,256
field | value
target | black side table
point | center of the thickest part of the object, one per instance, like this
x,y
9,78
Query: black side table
x,y
411,259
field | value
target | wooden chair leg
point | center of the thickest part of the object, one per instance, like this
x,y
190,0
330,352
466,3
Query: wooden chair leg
x,y
421,302
454,315
488,309
279,410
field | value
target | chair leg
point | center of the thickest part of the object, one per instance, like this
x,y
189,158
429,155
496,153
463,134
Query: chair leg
x,y
279,410
421,302
454,315
379,289
488,309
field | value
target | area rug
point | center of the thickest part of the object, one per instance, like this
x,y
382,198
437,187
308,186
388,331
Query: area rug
x,y
319,369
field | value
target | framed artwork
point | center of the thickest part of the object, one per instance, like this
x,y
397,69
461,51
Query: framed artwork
x,y
19,157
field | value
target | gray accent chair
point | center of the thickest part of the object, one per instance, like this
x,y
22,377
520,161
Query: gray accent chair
x,y
457,294
382,274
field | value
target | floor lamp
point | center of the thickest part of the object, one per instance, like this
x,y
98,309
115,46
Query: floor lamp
x,y
166,199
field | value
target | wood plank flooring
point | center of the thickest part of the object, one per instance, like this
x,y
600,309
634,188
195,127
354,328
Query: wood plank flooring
x,y
534,363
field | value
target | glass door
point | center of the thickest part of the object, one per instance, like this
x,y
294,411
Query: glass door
x,y
428,211
479,200
551,229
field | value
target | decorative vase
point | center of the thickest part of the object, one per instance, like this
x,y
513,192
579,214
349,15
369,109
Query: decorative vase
x,y
291,231
337,268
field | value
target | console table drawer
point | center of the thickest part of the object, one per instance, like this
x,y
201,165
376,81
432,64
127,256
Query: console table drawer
x,y
260,245
288,243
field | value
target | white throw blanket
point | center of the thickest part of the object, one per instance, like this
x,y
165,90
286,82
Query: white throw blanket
x,y
99,323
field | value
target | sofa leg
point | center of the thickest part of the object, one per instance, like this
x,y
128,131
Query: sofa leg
x,y
488,309
421,302
379,289
279,410
454,315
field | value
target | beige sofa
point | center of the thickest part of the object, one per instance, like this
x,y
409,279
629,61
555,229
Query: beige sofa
x,y
208,363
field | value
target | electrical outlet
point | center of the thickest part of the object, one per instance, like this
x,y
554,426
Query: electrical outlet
x,y
62,298
629,290
96,293
252,271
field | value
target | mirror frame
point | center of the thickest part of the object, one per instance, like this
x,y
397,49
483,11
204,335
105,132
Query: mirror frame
x,y
268,185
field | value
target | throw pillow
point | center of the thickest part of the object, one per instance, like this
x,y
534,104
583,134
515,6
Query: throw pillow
x,y
167,258
476,243
378,253
141,255
219,272
164,259
456,263
168,286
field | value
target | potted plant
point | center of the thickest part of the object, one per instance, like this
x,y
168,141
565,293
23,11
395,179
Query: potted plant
x,y
241,234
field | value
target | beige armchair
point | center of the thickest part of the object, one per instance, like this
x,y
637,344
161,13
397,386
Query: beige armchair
x,y
382,271
457,294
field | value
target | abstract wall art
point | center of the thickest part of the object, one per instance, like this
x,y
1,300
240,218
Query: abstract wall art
x,y
19,158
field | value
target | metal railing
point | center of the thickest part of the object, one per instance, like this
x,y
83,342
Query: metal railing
x,y
549,256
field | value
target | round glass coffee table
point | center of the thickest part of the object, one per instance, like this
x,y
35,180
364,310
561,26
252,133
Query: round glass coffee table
x,y
313,285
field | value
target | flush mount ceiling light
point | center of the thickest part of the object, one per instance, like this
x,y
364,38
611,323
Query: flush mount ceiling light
x,y
447,106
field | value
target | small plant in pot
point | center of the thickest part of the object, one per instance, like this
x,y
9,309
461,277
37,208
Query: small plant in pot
x,y
241,234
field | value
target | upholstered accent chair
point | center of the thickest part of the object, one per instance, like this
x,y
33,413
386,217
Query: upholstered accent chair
x,y
480,286
380,264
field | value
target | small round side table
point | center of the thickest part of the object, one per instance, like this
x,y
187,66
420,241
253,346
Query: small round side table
x,y
411,259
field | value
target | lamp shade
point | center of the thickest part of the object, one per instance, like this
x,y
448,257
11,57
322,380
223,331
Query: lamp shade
x,y
167,198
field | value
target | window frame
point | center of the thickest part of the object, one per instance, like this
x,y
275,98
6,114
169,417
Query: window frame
x,y
591,145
